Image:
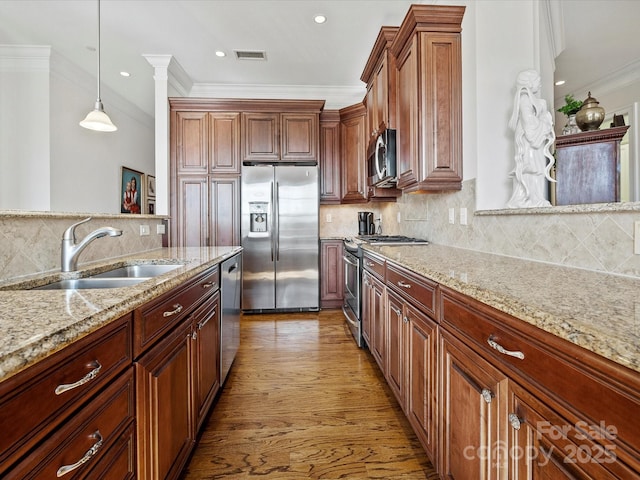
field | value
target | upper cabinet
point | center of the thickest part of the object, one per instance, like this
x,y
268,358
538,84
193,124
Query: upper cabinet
x,y
330,157
281,133
380,76
427,49
352,150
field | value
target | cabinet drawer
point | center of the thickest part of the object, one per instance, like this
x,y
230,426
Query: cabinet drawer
x,y
29,405
119,462
412,287
374,264
85,438
156,318
582,385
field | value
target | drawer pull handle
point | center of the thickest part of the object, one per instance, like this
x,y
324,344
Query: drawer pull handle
x,y
404,285
405,319
208,284
85,458
204,322
370,264
177,308
60,389
496,346
514,421
487,395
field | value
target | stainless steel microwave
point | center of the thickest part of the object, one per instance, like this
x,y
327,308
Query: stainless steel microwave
x,y
381,161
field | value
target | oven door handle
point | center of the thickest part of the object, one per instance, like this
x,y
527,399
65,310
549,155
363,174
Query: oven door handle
x,y
349,261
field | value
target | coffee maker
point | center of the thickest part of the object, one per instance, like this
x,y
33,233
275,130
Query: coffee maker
x,y
366,226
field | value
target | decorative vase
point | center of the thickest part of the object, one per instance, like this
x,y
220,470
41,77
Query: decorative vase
x,y
591,115
571,126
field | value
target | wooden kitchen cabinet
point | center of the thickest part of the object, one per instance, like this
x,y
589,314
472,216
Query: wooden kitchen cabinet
x,y
280,137
428,56
374,323
330,165
472,420
207,210
353,144
379,75
331,274
396,341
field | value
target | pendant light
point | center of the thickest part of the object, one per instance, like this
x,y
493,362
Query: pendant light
x,y
97,119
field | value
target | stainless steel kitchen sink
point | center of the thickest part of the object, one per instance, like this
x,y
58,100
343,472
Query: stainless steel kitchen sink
x,y
92,282
137,271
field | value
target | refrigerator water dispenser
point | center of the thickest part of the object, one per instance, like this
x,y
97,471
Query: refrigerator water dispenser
x,y
258,218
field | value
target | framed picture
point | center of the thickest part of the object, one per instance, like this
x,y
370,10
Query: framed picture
x,y
151,206
131,191
151,186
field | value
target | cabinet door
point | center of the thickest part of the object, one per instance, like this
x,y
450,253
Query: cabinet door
x,y
224,211
206,320
299,137
545,446
396,326
331,274
190,141
353,144
260,133
421,376
472,399
164,406
330,158
224,143
378,317
407,119
381,87
191,212
367,309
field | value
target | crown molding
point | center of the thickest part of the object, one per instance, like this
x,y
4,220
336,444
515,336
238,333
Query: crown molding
x,y
25,58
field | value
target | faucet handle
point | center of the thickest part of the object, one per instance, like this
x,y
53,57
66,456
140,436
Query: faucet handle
x,y
70,233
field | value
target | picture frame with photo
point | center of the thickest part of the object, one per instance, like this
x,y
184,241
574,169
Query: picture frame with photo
x,y
151,186
151,206
131,187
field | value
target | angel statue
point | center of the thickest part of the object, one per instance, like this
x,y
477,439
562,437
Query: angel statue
x,y
534,136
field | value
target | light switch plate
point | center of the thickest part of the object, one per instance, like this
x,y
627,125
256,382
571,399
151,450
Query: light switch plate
x,y
452,215
328,218
160,229
463,216
636,237
144,230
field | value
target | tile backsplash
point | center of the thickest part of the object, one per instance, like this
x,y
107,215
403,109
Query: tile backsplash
x,y
30,242
594,237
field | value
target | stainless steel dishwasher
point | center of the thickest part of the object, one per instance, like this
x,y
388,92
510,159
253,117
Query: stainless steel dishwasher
x,y
230,292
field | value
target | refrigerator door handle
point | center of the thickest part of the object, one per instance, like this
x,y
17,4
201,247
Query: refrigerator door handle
x,y
276,234
273,222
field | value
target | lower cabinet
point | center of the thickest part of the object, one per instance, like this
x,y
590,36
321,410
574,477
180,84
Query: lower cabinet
x,y
331,274
374,324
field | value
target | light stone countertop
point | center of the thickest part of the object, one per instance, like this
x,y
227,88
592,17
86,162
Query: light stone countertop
x,y
37,323
597,311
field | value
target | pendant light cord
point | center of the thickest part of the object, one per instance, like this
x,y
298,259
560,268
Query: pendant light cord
x,y
99,99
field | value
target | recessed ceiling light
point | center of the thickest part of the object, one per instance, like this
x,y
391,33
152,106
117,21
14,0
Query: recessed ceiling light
x,y
125,74
220,53
320,18
560,82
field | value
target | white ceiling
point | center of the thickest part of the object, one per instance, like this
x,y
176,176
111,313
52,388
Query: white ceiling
x,y
299,52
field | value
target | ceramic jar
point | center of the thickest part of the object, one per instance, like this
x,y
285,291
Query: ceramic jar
x,y
591,115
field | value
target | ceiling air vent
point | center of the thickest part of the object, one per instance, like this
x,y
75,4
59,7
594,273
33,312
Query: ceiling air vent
x,y
250,55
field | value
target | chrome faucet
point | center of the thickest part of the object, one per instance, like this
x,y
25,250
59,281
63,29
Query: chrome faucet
x,y
71,250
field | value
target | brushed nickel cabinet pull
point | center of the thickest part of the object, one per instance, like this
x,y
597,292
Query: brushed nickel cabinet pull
x,y
496,346
204,322
396,311
405,319
85,458
177,308
404,285
208,284
60,389
370,264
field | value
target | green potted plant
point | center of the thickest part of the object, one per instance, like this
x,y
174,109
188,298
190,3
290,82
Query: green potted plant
x,y
570,108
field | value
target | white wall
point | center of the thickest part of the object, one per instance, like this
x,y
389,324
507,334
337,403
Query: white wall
x,y
24,128
47,161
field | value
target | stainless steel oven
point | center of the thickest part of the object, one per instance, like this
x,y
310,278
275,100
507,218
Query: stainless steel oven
x,y
352,290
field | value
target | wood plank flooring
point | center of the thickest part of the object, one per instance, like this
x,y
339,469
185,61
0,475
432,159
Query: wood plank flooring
x,y
303,402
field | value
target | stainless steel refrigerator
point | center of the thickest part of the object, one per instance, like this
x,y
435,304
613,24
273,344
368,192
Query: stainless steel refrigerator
x,y
280,238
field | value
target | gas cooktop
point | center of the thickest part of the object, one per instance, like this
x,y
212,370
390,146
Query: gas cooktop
x,y
391,240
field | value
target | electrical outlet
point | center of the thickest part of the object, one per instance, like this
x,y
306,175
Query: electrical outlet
x,y
636,237
144,230
452,216
328,218
399,217
160,230
463,216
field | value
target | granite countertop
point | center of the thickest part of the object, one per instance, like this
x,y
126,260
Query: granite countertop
x,y
37,323
597,311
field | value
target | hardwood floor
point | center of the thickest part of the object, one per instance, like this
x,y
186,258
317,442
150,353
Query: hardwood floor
x,y
302,401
